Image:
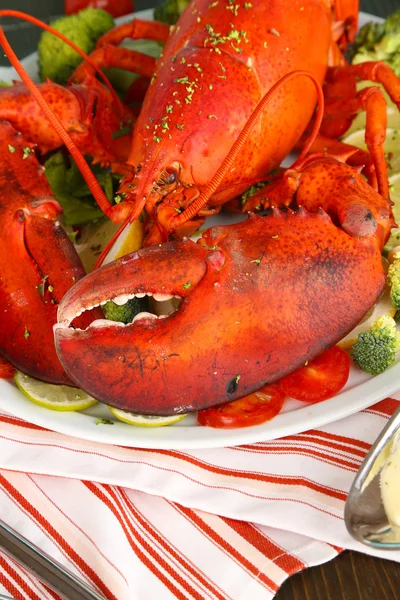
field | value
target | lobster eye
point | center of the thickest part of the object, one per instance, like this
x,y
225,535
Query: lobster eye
x,y
172,177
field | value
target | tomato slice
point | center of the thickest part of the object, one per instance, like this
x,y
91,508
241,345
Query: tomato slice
x,y
321,378
6,369
254,409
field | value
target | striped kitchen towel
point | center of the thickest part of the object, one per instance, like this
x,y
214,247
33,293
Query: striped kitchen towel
x,y
228,523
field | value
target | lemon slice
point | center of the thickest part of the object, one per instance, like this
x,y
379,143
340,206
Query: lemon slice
x,y
55,397
382,308
95,236
130,240
145,420
391,146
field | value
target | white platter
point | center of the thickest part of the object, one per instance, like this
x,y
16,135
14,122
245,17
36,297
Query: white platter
x,y
360,392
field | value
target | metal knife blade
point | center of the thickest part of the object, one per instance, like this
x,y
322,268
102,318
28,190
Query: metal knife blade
x,y
48,570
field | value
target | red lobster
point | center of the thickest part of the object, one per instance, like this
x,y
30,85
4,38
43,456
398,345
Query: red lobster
x,y
222,56
219,61
218,57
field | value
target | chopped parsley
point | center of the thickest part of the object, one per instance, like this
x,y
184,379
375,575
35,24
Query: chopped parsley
x,y
252,190
182,79
41,286
217,38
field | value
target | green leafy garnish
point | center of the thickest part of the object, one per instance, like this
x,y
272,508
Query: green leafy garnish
x,y
72,192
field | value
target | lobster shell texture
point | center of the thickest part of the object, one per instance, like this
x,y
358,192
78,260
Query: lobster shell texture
x,y
219,61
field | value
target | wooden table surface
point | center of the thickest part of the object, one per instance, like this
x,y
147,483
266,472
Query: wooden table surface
x,y
351,576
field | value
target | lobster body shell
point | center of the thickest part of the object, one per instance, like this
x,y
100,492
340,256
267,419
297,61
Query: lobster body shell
x,y
217,64
38,262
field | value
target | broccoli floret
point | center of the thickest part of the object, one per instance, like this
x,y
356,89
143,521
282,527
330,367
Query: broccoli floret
x,y
126,312
375,350
393,279
169,11
392,23
379,41
57,60
369,35
97,22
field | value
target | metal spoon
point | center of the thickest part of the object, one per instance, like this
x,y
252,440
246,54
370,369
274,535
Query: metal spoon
x,y
364,514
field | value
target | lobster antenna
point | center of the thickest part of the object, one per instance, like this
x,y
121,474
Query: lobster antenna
x,y
123,210
217,179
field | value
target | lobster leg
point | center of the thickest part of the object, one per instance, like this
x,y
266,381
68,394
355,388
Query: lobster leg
x,y
135,30
342,100
377,72
346,12
339,114
114,56
108,54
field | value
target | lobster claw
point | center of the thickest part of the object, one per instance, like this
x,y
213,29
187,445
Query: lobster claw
x,y
259,298
38,263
